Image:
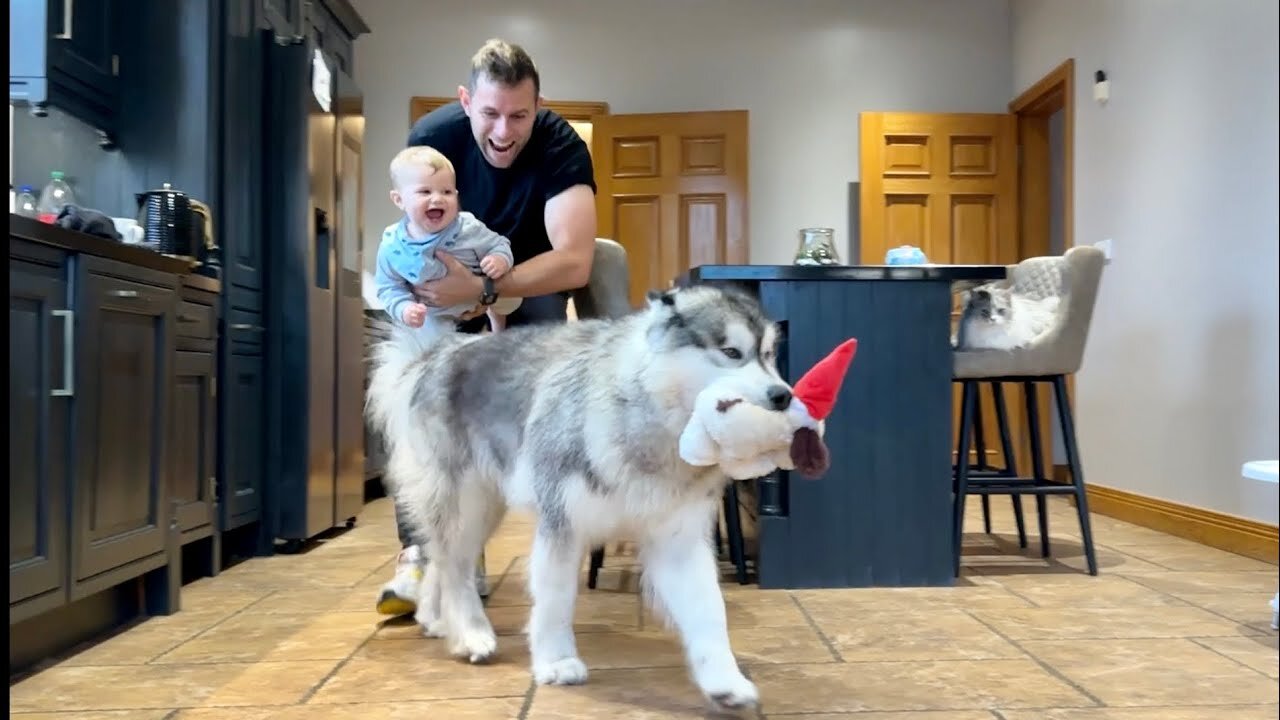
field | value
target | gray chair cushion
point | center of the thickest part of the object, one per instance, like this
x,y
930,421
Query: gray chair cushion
x,y
607,293
1074,277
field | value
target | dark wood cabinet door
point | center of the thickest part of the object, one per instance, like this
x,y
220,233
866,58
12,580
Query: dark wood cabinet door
x,y
192,440
244,423
125,346
41,388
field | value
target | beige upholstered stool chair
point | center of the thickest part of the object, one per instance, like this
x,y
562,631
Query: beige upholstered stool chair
x,y
1075,277
608,290
607,294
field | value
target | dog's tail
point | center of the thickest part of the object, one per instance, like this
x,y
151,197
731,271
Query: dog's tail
x,y
399,359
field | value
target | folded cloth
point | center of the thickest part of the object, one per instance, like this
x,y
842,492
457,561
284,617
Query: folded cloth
x,y
87,220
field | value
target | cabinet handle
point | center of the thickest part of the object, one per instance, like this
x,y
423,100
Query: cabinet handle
x,y
184,318
68,9
246,326
123,293
68,388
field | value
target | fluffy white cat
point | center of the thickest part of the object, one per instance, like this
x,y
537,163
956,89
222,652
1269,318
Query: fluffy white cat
x,y
996,318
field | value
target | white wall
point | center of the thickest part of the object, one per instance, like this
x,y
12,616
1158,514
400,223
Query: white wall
x,y
804,69
1179,384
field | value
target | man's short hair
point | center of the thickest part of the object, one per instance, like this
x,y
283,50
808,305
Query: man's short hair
x,y
418,156
504,63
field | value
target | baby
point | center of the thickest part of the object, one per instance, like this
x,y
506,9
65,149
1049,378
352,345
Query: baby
x,y
423,186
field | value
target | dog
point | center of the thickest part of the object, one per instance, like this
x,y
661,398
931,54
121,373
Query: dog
x,y
579,423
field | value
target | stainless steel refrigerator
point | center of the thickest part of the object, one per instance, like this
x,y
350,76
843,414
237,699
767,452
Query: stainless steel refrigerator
x,y
313,214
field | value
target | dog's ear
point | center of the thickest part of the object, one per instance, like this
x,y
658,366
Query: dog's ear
x,y
656,297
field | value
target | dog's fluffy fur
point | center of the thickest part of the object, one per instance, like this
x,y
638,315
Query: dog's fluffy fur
x,y
578,422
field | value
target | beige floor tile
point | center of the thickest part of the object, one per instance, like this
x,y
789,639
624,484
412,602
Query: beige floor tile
x,y
1212,583
295,637
945,685
1258,652
166,686
421,669
1074,591
1166,672
646,694
1235,712
477,709
911,635
250,637
903,715
95,715
1250,610
149,639
1098,623
969,597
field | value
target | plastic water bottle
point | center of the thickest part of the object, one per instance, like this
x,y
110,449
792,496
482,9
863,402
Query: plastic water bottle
x,y
26,202
55,196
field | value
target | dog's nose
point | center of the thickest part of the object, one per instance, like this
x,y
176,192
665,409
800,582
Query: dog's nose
x,y
779,397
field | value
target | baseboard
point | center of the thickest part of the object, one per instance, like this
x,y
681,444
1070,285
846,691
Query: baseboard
x,y
1242,536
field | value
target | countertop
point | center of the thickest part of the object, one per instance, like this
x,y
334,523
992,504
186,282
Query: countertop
x,y
74,241
948,273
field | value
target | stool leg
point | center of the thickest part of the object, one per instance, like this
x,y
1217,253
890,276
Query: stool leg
x,y
1037,462
968,402
1077,474
593,571
733,527
1010,462
980,448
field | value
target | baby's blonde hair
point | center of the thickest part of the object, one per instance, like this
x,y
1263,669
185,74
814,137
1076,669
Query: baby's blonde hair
x,y
418,156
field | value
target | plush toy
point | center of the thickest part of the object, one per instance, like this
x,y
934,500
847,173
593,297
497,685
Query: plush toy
x,y
749,441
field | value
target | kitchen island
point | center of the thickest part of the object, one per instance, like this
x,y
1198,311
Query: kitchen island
x,y
881,516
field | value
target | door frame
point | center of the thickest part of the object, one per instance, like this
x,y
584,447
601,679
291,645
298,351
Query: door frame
x,y
571,110
1051,93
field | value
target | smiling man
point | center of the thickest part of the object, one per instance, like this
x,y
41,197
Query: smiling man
x,y
524,172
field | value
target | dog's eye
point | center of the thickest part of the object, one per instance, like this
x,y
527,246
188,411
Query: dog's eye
x,y
732,353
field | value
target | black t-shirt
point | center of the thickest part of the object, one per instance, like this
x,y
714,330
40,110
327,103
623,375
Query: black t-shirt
x,y
511,201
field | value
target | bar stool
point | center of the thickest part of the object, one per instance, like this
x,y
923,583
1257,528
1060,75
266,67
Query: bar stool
x,y
1075,277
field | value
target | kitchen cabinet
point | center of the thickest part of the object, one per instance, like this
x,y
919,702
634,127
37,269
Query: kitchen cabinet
x,y
41,386
63,53
111,380
194,433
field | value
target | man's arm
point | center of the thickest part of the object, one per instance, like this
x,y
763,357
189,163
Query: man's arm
x,y
571,228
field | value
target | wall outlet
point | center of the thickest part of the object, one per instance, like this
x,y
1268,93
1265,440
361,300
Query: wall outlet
x,y
1105,247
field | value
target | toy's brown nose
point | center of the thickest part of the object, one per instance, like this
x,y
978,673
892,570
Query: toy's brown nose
x,y
779,397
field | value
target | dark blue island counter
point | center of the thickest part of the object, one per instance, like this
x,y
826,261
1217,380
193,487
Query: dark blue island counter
x,y
881,516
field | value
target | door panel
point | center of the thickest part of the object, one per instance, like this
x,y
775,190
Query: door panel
x,y
948,184
672,189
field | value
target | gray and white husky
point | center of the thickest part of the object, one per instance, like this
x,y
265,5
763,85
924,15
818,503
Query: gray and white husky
x,y
579,423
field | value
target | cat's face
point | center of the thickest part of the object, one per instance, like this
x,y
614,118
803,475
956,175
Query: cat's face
x,y
991,305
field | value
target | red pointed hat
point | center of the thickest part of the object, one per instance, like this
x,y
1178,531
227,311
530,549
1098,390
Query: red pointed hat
x,y
820,386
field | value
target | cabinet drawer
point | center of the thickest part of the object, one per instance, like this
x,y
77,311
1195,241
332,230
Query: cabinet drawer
x,y
195,320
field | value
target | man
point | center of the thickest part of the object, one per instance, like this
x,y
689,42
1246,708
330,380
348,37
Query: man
x,y
524,172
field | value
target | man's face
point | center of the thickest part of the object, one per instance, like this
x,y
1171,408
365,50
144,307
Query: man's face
x,y
501,118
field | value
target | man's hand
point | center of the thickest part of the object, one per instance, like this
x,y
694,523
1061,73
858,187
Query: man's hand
x,y
494,266
414,314
456,287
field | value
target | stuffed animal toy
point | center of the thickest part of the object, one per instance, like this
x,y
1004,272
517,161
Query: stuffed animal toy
x,y
749,441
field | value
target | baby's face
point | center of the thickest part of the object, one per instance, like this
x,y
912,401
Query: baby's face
x,y
429,198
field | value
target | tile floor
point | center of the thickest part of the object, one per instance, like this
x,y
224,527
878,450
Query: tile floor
x,y
1169,630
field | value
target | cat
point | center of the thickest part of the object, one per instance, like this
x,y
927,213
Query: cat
x,y
996,318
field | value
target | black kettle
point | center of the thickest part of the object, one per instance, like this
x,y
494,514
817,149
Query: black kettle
x,y
166,218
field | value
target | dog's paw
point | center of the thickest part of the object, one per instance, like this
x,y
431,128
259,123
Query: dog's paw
x,y
434,629
565,671
476,645
737,694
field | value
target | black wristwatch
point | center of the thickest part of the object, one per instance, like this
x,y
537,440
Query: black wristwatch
x,y
490,294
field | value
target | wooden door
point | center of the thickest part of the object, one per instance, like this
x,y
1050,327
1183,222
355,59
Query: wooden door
x,y
672,189
948,184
